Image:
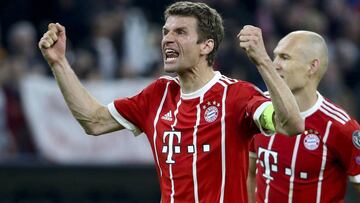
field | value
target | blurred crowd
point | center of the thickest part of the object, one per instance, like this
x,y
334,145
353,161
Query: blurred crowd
x,y
114,39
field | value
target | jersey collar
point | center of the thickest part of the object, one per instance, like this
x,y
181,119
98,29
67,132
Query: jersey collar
x,y
314,108
202,90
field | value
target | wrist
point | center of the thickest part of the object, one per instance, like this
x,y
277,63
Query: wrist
x,y
264,61
61,61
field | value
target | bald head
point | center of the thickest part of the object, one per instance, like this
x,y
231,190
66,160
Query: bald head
x,y
312,47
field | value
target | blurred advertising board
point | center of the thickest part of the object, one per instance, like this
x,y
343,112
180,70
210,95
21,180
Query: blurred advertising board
x,y
60,138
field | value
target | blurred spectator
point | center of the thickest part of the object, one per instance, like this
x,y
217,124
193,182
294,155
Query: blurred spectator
x,y
140,53
22,50
103,30
7,145
23,58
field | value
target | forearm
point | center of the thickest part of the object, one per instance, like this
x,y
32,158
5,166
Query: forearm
x,y
82,105
92,116
287,114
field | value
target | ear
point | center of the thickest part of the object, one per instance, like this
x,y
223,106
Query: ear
x,y
314,66
207,46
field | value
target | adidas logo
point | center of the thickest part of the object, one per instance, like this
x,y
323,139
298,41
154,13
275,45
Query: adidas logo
x,y
167,116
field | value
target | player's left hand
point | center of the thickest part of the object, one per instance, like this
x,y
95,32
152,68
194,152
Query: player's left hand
x,y
250,39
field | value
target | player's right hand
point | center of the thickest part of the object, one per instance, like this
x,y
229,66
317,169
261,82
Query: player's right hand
x,y
53,43
251,40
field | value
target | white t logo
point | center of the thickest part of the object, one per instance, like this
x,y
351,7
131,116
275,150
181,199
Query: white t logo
x,y
268,167
170,146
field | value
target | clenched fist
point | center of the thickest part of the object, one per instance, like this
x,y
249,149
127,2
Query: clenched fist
x,y
53,43
250,39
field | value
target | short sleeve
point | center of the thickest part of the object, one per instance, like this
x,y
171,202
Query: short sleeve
x,y
347,146
247,100
256,106
130,111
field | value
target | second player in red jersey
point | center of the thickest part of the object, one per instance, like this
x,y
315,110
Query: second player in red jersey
x,y
315,165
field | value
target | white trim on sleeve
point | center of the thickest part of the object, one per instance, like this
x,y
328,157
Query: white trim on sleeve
x,y
355,179
257,115
122,121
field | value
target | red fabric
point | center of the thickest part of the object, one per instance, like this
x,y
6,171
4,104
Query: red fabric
x,y
198,121
337,153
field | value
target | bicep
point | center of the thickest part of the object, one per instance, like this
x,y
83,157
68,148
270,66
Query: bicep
x,y
105,122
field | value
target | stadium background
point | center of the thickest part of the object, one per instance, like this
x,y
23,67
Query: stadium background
x,y
115,40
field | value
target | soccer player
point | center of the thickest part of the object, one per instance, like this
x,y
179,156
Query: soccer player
x,y
199,124
314,165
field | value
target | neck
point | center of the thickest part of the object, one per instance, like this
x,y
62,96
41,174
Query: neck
x,y
195,78
305,98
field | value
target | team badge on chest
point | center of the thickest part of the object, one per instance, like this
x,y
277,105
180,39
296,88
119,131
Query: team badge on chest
x,y
311,140
211,111
356,138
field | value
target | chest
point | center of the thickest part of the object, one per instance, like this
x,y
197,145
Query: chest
x,y
302,156
199,126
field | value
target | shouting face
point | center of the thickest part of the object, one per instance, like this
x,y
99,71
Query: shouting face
x,y
180,47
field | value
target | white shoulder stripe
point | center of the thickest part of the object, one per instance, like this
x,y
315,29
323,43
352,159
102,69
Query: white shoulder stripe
x,y
261,92
223,143
332,115
335,113
323,162
155,123
337,109
267,94
223,83
228,80
170,78
231,79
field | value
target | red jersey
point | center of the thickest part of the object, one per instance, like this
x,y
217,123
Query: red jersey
x,y
199,140
313,166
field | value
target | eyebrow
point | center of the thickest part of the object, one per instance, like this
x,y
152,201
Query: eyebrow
x,y
178,28
280,53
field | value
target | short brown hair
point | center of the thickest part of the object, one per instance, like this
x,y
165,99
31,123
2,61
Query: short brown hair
x,y
209,22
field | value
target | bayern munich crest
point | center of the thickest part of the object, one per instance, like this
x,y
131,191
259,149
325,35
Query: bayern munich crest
x,y
311,140
357,160
356,138
211,111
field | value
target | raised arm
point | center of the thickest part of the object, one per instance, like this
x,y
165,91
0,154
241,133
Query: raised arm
x,y
287,116
93,117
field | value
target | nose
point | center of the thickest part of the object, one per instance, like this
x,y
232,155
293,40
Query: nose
x,y
168,37
277,63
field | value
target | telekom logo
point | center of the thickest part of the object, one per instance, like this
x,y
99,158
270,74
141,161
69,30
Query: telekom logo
x,y
171,147
266,161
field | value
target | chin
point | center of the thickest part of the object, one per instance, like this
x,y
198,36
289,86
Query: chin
x,y
170,68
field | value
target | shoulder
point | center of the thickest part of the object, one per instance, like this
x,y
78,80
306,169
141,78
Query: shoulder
x,y
335,113
342,123
160,85
165,81
244,88
235,83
